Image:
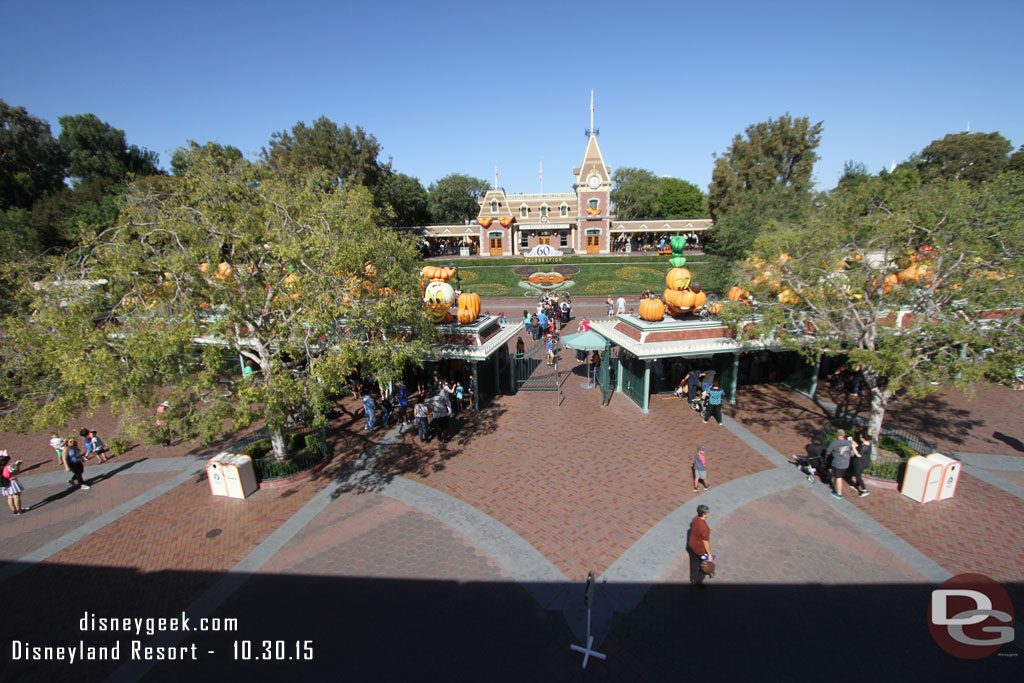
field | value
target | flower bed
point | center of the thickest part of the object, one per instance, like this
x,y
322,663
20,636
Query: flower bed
x,y
306,448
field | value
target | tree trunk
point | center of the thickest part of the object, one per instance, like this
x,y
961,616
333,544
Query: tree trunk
x,y
879,400
277,443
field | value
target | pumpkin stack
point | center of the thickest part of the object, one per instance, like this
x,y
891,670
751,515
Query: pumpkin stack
x,y
469,308
681,295
437,293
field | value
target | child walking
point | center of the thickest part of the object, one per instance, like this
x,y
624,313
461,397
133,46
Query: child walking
x,y
700,468
9,486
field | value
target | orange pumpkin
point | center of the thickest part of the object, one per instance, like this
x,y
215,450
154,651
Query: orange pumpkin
x,y
788,296
714,308
465,315
699,298
738,294
679,302
677,279
470,300
652,310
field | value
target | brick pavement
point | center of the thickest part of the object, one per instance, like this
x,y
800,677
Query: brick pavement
x,y
605,476
581,483
57,510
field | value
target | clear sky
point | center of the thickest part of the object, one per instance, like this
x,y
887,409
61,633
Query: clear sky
x,y
459,86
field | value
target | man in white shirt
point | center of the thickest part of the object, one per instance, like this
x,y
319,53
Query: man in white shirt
x,y
620,304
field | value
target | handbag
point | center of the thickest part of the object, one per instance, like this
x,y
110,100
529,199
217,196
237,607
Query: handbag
x,y
708,567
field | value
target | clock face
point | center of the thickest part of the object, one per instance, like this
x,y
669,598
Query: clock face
x,y
593,181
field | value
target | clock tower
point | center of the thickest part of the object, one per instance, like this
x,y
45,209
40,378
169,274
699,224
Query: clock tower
x,y
593,187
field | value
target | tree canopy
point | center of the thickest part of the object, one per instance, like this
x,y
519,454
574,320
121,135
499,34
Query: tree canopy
x,y
778,152
351,155
225,155
300,280
922,288
453,199
407,199
635,193
974,157
98,151
32,162
680,199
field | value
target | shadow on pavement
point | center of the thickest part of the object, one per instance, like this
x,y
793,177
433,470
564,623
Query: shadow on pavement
x,y
374,629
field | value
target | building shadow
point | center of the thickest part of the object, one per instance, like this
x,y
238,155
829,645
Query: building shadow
x,y
306,627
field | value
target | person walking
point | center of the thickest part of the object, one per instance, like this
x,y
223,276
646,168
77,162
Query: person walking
x,y
693,385
419,412
402,399
73,463
715,395
9,486
611,305
699,544
700,468
859,462
841,451
369,409
709,379
620,304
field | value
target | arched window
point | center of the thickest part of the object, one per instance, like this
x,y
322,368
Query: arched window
x,y
494,206
594,204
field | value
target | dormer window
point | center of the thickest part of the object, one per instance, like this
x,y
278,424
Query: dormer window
x,y
563,210
523,211
494,206
544,211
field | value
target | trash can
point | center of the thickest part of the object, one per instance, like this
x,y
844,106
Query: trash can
x,y
950,474
922,479
231,475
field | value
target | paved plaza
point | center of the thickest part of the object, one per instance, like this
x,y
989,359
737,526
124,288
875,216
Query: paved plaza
x,y
401,561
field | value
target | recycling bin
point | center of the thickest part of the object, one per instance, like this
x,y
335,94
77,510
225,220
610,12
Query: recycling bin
x,y
922,479
950,474
231,475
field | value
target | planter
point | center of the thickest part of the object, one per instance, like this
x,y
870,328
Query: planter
x,y
310,453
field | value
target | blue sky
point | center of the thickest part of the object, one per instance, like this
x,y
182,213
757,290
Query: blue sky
x,y
461,87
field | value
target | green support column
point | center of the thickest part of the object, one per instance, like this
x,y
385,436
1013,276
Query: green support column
x,y
476,387
647,387
731,395
618,376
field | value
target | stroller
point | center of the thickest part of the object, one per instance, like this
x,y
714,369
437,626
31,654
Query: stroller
x,y
700,404
814,463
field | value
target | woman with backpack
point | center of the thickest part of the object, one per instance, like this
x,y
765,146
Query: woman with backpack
x,y
9,486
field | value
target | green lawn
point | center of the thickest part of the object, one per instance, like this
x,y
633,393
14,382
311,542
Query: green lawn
x,y
591,276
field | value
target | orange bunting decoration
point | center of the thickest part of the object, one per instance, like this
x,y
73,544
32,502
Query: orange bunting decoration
x,y
505,222
486,222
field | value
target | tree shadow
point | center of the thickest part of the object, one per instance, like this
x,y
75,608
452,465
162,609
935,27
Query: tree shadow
x,y
772,408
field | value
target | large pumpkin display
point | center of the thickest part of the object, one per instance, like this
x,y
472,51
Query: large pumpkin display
x,y
677,279
652,310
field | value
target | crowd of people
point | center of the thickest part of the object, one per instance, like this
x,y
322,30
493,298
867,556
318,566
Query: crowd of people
x,y
434,403
551,315
70,457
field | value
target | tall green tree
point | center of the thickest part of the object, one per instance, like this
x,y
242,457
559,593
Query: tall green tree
x,y
225,155
98,151
635,193
32,162
453,199
300,279
352,156
774,153
734,233
974,157
917,291
407,199
679,199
